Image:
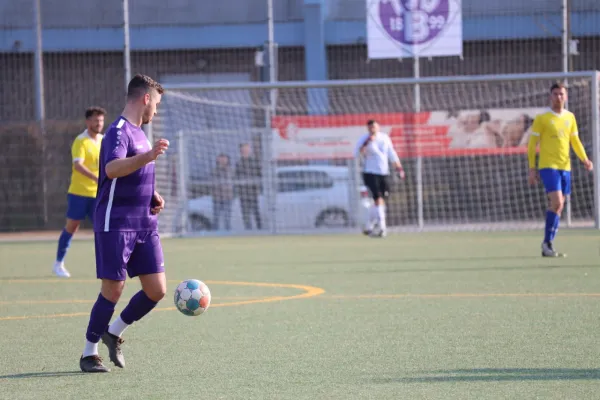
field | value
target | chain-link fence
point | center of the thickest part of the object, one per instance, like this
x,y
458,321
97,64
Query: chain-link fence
x,y
83,65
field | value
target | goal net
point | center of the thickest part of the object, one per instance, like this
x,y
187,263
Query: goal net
x,y
279,159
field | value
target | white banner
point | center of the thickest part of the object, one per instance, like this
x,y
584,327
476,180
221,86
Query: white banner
x,y
409,28
428,134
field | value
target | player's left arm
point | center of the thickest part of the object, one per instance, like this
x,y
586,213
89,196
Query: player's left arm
x,y
158,203
578,146
392,155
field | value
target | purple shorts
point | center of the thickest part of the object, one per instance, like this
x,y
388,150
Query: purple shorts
x,y
131,253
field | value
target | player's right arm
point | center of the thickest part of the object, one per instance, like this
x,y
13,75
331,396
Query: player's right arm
x,y
534,138
117,162
363,142
78,153
359,146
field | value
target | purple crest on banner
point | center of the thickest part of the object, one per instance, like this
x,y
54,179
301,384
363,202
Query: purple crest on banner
x,y
414,22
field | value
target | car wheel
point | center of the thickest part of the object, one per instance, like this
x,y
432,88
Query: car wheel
x,y
332,219
199,223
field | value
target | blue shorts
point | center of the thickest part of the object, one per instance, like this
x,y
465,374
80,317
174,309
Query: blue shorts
x,y
556,180
79,207
119,254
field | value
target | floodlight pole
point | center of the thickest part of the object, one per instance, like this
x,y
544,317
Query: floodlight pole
x,y
40,109
126,45
415,130
271,53
268,163
565,41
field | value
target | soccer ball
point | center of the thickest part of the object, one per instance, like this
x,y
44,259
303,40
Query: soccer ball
x,y
192,297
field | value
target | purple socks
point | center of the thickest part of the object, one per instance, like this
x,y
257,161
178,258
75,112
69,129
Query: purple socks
x,y
103,310
100,317
138,306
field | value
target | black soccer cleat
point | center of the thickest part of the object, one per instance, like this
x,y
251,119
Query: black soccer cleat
x,y
114,349
548,251
92,364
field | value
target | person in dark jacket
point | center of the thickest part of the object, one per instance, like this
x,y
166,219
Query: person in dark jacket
x,y
248,171
222,194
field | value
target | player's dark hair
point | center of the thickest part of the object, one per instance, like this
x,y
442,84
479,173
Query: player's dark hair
x,y
527,122
484,116
140,84
93,111
371,122
557,85
242,145
452,114
225,156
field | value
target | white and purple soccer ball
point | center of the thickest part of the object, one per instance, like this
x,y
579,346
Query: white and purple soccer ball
x,y
192,297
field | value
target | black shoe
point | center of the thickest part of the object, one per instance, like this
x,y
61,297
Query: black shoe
x,y
92,364
114,349
548,251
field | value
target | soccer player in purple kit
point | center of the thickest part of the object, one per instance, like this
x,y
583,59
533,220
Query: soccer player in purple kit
x,y
125,224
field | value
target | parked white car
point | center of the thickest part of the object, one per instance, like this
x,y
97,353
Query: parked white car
x,y
308,196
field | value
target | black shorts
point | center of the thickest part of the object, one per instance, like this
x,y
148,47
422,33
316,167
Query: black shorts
x,y
378,185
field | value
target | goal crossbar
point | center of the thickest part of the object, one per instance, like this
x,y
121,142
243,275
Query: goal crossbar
x,y
378,82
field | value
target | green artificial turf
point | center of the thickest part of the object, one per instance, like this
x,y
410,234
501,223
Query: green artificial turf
x,y
412,316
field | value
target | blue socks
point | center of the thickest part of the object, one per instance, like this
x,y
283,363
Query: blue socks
x,y
102,312
552,221
139,305
64,241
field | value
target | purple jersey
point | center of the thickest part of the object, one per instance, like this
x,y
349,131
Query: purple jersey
x,y
123,204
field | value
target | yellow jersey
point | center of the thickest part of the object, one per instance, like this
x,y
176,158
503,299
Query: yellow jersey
x,y
555,133
86,150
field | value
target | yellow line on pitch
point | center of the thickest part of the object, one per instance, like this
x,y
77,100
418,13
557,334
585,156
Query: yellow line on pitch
x,y
21,317
77,301
208,282
458,295
79,314
309,291
48,280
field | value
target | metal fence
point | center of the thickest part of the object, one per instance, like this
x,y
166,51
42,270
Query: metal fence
x,y
84,70
447,187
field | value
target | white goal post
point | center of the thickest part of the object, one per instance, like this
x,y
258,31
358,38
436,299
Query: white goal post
x,y
464,152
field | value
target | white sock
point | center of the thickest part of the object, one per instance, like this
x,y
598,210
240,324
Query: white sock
x,y
90,349
117,327
373,217
381,216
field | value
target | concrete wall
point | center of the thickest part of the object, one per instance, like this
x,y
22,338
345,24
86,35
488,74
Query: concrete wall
x,y
355,9
74,81
76,13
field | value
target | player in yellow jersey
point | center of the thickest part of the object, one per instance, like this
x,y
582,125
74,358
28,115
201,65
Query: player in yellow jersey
x,y
84,183
556,131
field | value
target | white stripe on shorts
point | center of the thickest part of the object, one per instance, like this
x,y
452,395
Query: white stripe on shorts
x,y
111,197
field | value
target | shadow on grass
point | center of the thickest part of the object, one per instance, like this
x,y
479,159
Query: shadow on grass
x,y
500,375
41,375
